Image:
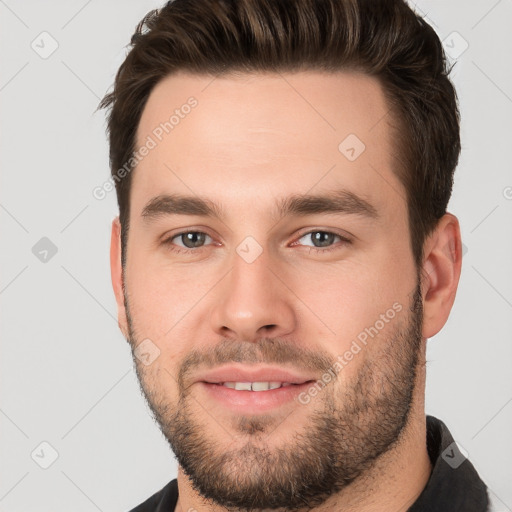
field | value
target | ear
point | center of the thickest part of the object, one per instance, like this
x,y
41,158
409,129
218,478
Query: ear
x,y
116,273
442,262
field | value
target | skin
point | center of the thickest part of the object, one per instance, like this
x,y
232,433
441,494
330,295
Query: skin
x,y
252,140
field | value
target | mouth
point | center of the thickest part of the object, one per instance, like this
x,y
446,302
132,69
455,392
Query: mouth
x,y
253,390
255,386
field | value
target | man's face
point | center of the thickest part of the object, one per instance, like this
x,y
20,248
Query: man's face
x,y
301,295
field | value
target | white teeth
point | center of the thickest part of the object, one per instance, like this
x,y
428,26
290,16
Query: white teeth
x,y
255,386
243,386
260,386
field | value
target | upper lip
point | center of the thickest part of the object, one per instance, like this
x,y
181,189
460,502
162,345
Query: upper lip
x,y
243,373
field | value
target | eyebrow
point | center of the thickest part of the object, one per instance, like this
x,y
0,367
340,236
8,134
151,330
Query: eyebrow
x,y
340,201
177,204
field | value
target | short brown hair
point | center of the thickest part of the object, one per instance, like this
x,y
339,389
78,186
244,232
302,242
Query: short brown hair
x,y
382,38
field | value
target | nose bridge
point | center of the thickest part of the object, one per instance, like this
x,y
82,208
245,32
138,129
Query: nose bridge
x,y
252,302
250,280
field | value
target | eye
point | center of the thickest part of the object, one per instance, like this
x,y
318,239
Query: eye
x,y
190,240
323,240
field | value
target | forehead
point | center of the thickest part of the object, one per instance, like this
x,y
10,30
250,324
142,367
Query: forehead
x,y
265,134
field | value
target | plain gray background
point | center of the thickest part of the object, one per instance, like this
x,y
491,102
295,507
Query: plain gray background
x,y
66,371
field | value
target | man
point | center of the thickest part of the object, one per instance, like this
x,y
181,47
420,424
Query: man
x,y
283,252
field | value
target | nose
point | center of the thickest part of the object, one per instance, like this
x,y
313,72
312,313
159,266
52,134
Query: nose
x,y
253,301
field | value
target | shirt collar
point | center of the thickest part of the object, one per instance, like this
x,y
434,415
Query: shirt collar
x,y
454,483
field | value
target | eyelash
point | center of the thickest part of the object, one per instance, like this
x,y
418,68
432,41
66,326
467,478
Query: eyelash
x,y
180,250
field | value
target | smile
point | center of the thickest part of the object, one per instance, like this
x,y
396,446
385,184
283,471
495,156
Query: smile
x,y
255,386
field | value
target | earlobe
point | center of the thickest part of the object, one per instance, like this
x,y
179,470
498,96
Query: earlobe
x,y
116,273
441,269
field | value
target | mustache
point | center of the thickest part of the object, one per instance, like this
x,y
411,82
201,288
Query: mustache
x,y
265,350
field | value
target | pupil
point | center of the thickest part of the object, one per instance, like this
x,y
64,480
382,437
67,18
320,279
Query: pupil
x,y
193,239
323,238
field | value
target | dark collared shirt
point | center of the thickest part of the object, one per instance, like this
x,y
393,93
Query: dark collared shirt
x,y
453,486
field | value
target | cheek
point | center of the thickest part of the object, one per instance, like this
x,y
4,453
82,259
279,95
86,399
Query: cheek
x,y
164,301
348,296
353,307
159,382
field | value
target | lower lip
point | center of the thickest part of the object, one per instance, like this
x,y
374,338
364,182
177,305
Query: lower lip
x,y
254,401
